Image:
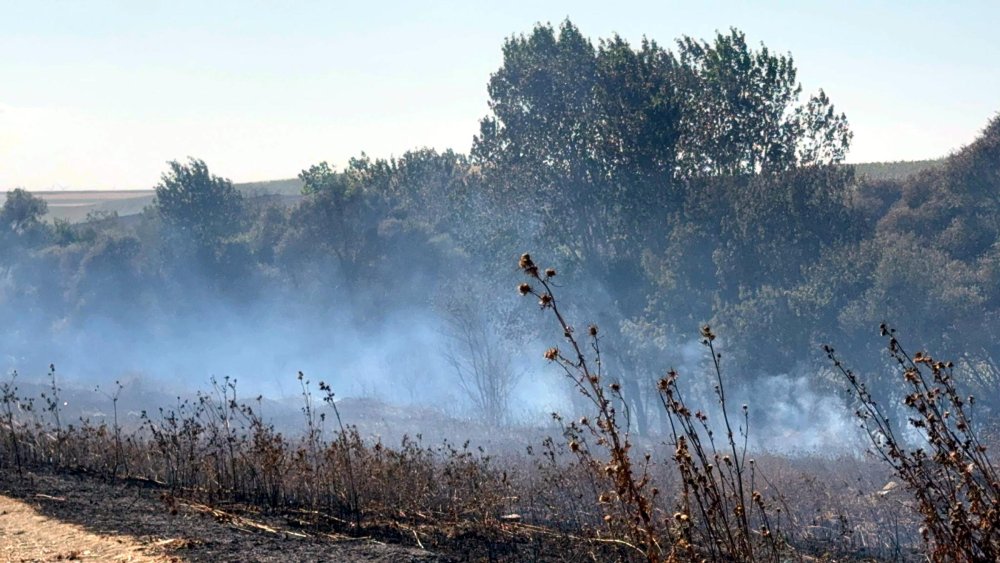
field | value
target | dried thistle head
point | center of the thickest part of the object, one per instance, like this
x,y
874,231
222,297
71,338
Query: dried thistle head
x,y
707,334
528,265
524,289
550,272
551,354
592,329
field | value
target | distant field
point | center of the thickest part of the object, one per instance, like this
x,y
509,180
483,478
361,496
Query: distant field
x,y
74,206
894,170
292,186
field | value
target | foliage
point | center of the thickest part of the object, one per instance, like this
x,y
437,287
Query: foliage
x,y
21,212
197,203
741,113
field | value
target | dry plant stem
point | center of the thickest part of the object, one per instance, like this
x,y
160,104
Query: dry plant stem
x,y
719,506
53,406
120,461
739,458
955,483
633,501
342,437
11,404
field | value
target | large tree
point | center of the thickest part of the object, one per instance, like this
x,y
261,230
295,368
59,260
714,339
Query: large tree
x,y
581,138
198,204
600,150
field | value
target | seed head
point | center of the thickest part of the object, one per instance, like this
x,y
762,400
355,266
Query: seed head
x,y
524,289
707,334
551,354
528,265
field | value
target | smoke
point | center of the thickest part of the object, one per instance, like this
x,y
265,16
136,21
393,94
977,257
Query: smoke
x,y
368,343
177,347
790,414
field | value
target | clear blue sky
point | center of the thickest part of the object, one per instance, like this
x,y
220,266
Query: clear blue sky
x,y
102,94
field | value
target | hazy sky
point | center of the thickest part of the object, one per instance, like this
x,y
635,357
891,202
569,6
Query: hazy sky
x,y
102,94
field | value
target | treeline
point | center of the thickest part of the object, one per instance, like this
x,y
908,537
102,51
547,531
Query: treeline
x,y
681,186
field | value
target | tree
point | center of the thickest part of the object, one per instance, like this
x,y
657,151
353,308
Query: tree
x,y
198,204
22,212
940,261
336,219
580,139
482,365
595,148
423,187
112,261
22,230
741,112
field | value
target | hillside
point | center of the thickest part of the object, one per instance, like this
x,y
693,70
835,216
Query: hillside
x,y
75,205
894,170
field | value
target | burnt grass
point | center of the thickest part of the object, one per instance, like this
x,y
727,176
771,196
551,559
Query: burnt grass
x,y
191,531
222,484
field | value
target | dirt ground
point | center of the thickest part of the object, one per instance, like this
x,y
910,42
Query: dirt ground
x,y
76,518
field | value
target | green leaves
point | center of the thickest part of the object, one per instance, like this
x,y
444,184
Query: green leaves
x,y
199,204
741,113
21,211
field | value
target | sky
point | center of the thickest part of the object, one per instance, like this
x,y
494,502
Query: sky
x,y
100,95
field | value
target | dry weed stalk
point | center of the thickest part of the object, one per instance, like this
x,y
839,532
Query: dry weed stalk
x,y
953,480
720,515
719,488
631,493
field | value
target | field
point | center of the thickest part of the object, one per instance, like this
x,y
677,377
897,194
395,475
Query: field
x,y
75,205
